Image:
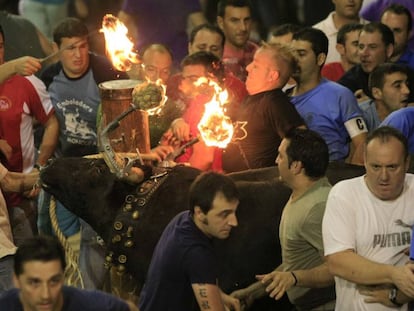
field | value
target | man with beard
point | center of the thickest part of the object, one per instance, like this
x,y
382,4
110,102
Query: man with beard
x,y
347,47
327,107
398,19
303,159
375,46
234,18
183,271
388,84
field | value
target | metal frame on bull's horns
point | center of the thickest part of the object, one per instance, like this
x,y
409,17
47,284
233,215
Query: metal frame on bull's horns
x,y
110,157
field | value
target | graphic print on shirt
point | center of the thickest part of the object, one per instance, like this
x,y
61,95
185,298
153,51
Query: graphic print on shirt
x,y
5,103
240,131
77,130
393,239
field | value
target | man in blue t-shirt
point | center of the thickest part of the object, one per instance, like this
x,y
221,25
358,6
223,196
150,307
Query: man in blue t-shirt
x,y
403,120
72,83
327,107
389,86
398,18
39,266
183,271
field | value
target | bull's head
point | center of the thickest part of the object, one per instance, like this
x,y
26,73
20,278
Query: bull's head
x,y
87,188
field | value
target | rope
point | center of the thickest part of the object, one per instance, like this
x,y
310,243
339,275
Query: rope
x,y
73,275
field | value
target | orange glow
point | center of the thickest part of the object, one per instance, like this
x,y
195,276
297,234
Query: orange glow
x,y
118,46
216,129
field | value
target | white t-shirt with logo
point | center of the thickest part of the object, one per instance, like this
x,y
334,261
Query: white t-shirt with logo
x,y
377,230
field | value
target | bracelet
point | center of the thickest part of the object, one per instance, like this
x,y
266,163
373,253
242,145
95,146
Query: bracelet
x,y
294,276
392,296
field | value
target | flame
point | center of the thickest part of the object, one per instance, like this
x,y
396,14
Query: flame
x,y
118,46
216,129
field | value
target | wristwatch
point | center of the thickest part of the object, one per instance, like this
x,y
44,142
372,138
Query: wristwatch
x,y
392,296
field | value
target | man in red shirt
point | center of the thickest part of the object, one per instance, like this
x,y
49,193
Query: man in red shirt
x,y
24,99
234,18
347,47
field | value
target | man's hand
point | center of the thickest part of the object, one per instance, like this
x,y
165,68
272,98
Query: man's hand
x,y
180,129
245,298
161,152
230,303
5,149
376,294
277,283
168,139
27,65
403,278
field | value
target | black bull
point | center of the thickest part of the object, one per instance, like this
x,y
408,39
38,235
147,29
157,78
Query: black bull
x,y
87,188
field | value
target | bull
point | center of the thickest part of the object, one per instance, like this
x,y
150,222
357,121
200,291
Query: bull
x,y
131,218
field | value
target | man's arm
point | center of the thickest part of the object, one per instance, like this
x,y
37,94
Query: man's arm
x,y
255,291
208,297
279,282
5,149
357,130
382,296
19,182
358,149
355,268
230,302
24,66
49,140
249,294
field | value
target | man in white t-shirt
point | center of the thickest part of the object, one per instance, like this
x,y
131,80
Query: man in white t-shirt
x,y
367,228
346,12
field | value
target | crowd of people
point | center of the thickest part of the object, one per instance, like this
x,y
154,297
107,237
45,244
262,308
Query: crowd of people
x,y
339,90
